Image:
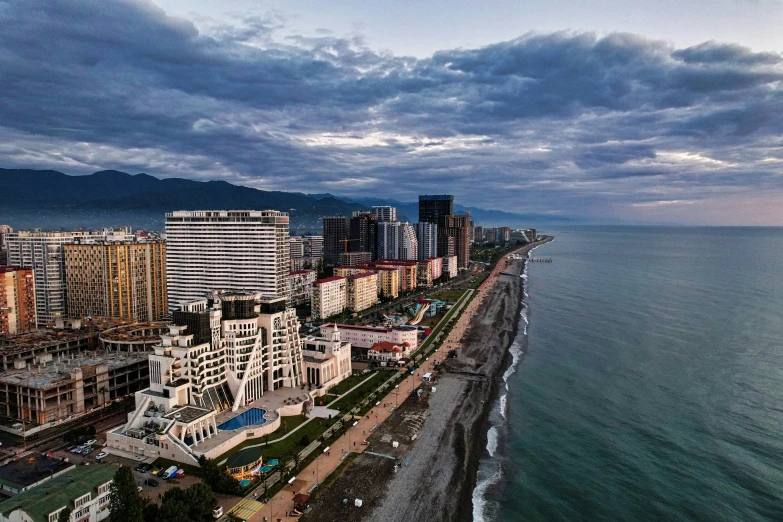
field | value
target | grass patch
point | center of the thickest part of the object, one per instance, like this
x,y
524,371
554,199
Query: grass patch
x,y
450,296
348,402
166,463
347,384
480,279
291,423
326,399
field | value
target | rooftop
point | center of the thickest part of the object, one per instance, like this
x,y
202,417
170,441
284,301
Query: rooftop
x,y
187,414
244,457
362,275
26,341
59,492
135,332
4,269
30,469
387,346
328,280
58,373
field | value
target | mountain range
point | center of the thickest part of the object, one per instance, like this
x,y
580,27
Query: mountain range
x,y
49,199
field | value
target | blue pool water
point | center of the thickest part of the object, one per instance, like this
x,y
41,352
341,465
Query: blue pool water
x,y
244,483
251,417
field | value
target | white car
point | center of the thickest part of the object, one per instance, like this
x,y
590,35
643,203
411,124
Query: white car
x,y
91,442
139,488
102,455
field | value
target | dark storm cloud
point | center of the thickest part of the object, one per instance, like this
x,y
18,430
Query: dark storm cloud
x,y
549,122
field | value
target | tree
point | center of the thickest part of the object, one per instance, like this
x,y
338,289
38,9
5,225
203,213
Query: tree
x,y
64,515
103,391
195,503
150,511
216,478
126,504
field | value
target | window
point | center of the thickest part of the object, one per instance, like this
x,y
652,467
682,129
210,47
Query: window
x,y
79,502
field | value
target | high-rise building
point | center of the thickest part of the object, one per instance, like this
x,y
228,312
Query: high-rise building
x,y
503,234
336,232
427,236
4,229
329,297
301,282
17,300
478,235
313,246
363,233
389,240
44,253
296,247
435,208
354,258
126,280
458,227
450,266
409,245
236,250
384,213
491,235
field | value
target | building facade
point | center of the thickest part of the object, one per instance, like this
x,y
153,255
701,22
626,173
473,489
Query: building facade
x,y
17,300
458,227
388,281
409,244
450,266
363,233
384,213
362,338
329,297
327,359
336,232
126,280
434,208
388,240
427,236
301,282
354,258
44,253
233,250
361,291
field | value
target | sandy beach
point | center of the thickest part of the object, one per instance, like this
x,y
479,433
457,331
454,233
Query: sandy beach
x,y
439,436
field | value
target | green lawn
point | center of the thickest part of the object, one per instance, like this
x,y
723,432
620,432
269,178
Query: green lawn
x,y
291,423
347,384
347,403
294,444
450,296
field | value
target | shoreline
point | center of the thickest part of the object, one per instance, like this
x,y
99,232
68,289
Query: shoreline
x,y
441,435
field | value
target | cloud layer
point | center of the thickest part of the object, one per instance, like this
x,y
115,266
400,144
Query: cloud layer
x,y
566,123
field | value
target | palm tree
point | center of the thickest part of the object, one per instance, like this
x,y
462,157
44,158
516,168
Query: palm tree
x,y
103,391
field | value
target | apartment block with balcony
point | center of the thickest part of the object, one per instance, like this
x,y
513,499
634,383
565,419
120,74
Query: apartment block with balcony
x,y
361,291
329,297
301,282
17,300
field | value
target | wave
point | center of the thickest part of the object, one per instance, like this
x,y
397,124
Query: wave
x,y
516,352
479,495
502,413
492,441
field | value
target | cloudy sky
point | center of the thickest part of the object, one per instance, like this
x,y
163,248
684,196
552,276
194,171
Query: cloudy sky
x,y
645,111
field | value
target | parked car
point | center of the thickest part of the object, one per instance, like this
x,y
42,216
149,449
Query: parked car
x,y
139,488
75,449
143,468
102,455
152,482
71,448
91,442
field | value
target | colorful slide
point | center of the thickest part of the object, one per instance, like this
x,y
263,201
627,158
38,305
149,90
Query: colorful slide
x,y
420,311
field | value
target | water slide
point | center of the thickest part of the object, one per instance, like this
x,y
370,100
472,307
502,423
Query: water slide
x,y
420,311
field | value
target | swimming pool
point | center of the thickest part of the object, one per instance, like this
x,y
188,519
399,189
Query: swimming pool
x,y
251,417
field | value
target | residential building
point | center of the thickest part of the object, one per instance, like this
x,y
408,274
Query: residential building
x,y
530,235
407,271
327,359
362,338
491,235
503,234
434,208
428,270
301,282
362,233
84,490
307,263
458,227
361,291
450,266
437,267
296,248
346,271
30,471
17,300
221,353
409,245
388,352
44,253
329,297
384,213
388,281
313,246
388,240
232,250
478,235
4,230
126,280
427,237
41,395
336,238
354,258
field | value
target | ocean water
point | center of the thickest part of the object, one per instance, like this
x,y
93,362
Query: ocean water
x,y
652,384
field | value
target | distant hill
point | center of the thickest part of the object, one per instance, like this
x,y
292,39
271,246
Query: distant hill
x,y
49,199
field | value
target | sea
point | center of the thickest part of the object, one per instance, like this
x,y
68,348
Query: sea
x,y
646,381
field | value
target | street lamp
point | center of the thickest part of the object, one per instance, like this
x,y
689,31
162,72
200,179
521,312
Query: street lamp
x,y
396,393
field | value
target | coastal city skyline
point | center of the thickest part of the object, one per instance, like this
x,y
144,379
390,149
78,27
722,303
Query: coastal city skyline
x,y
603,127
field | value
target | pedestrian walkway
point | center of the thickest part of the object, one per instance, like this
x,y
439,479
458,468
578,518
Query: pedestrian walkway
x,y
246,508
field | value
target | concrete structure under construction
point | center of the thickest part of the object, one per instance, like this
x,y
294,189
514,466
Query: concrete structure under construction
x,y
136,337
17,300
126,280
57,389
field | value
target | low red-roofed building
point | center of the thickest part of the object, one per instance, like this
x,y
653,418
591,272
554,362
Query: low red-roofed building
x,y
388,351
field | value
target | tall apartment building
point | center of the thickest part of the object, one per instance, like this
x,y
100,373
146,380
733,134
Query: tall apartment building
x,y
435,208
503,234
17,300
296,247
125,280
361,291
450,266
235,250
409,244
336,234
491,235
313,246
458,227
429,270
301,282
44,253
4,229
407,271
478,235
384,213
389,240
329,297
362,233
427,236
354,258
388,281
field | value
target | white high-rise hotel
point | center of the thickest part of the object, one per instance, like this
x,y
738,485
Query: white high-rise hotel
x,y
237,250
